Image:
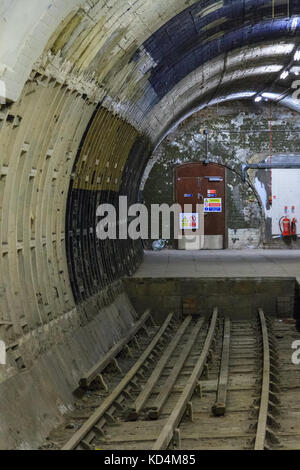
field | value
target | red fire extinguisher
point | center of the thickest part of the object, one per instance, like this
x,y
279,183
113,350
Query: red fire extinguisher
x,y
285,227
294,227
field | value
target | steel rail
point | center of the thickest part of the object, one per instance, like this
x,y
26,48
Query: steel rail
x,y
219,407
265,391
79,436
173,421
92,374
168,386
153,379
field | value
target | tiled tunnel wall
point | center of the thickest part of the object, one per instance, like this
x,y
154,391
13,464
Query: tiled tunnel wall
x,y
110,163
88,89
51,258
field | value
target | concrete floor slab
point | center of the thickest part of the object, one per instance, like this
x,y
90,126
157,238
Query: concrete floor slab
x,y
227,263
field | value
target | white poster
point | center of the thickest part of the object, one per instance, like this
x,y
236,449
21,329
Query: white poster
x,y
189,221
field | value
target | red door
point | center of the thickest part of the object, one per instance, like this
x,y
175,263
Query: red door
x,y
197,183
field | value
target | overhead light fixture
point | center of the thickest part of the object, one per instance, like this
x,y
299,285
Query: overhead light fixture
x,y
295,70
294,24
284,75
240,95
258,99
270,96
297,56
280,48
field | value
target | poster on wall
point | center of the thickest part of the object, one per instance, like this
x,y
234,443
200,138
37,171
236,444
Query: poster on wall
x,y
213,205
189,221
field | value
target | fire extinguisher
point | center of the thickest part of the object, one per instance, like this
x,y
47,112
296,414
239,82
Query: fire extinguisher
x,y
285,227
294,227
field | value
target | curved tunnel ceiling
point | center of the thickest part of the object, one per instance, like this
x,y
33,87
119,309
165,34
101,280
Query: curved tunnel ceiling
x,y
92,87
241,73
131,55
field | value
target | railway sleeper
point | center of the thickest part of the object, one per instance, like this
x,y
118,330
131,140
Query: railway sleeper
x,y
205,373
127,394
128,351
152,359
210,356
199,389
271,436
272,421
274,387
109,417
219,409
135,385
141,374
273,350
274,378
146,331
176,441
136,342
99,431
86,446
119,405
273,397
100,384
116,366
190,411
274,408
89,438
254,412
274,369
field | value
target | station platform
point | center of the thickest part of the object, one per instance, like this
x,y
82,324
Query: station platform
x,y
237,282
226,263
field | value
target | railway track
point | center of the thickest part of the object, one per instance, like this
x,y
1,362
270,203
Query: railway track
x,y
205,383
285,336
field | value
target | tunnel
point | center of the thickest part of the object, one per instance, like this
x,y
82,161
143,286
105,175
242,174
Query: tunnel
x,y
92,92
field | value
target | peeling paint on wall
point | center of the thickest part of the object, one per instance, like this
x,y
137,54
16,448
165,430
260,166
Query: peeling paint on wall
x,y
238,134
